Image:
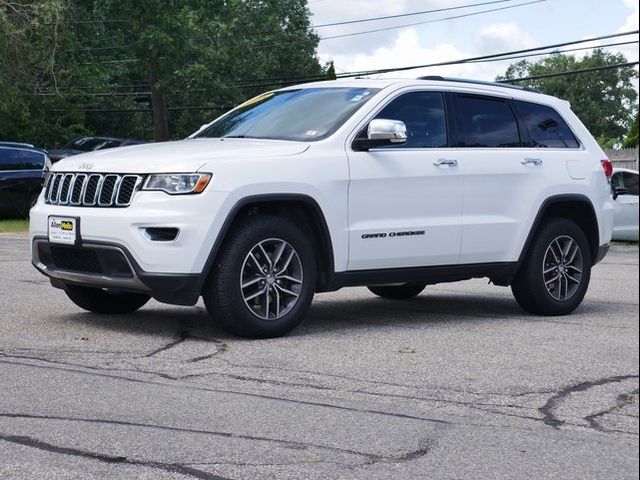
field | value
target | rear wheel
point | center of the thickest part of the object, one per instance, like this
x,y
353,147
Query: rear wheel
x,y
556,271
100,301
398,292
264,279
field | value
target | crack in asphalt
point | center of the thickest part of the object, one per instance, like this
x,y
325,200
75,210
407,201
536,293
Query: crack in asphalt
x,y
424,448
112,459
182,336
622,401
547,410
231,392
224,347
548,417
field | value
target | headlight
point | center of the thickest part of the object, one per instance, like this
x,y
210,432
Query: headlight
x,y
178,183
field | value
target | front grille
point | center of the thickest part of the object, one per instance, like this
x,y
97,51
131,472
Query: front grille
x,y
86,260
76,259
94,190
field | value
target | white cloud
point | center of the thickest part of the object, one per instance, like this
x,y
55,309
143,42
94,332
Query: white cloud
x,y
407,50
501,37
632,19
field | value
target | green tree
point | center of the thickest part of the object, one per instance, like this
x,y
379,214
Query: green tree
x,y
631,141
605,100
149,69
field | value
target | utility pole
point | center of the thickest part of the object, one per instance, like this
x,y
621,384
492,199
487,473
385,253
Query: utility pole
x,y
159,106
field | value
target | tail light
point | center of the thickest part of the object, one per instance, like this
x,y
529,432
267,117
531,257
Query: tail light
x,y
607,166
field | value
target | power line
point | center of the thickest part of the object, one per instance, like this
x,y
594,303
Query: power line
x,y
454,17
423,12
266,82
221,107
290,80
555,52
348,22
570,72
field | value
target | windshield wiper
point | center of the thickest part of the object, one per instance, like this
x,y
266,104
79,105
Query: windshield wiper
x,y
235,136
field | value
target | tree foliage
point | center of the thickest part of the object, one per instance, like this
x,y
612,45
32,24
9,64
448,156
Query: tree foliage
x,y
631,140
605,100
99,66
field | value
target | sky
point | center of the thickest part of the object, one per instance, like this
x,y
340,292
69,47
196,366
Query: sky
x,y
543,23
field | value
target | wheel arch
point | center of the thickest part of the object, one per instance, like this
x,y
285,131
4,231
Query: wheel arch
x,y
575,207
302,209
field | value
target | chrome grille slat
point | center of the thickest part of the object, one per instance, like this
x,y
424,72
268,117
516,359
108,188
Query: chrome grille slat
x,y
77,189
92,190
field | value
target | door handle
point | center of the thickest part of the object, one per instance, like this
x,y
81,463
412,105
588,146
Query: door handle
x,y
532,161
441,162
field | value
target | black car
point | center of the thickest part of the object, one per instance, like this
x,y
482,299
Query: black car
x,y
90,144
22,172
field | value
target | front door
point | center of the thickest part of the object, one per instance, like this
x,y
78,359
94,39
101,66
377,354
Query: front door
x,y
405,202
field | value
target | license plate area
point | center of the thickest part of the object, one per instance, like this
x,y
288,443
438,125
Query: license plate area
x,y
64,230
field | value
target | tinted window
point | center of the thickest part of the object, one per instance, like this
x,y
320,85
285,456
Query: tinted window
x,y
32,160
546,126
9,160
486,122
630,182
423,115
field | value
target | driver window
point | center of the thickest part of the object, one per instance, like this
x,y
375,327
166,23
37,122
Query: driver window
x,y
423,115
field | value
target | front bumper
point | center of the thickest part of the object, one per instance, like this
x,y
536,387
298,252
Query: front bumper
x,y
111,266
198,219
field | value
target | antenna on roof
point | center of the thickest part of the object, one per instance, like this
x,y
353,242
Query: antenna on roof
x,y
438,78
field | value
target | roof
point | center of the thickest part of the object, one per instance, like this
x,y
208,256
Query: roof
x,y
436,81
16,144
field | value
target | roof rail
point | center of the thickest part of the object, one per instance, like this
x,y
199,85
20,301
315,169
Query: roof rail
x,y
478,82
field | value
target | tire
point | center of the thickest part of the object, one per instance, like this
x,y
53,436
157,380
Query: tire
x,y
535,286
271,303
398,292
97,300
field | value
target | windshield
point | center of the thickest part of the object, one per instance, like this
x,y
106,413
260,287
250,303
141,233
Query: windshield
x,y
307,114
89,144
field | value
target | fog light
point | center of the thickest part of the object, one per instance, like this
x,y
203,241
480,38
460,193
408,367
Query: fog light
x,y
160,234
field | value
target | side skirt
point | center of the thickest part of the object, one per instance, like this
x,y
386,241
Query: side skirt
x,y
499,273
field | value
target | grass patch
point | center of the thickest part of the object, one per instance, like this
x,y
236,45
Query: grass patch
x,y
14,225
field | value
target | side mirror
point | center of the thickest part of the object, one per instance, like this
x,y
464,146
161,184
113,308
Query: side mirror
x,y
617,191
381,133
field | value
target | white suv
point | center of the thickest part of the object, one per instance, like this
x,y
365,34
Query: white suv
x,y
392,184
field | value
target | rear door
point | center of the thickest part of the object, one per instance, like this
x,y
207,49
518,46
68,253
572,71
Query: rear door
x,y
405,202
503,177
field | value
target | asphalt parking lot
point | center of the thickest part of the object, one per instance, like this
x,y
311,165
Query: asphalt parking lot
x,y
457,384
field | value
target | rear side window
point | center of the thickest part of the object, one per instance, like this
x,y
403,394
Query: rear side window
x,y
485,122
423,115
546,127
32,160
9,160
628,181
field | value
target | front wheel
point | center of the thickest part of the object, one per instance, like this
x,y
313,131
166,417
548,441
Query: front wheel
x,y
556,271
97,300
263,281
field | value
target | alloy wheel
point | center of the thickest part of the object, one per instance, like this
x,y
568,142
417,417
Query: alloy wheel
x,y
271,279
562,268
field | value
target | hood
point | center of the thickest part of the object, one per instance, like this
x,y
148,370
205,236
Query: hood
x,y
173,157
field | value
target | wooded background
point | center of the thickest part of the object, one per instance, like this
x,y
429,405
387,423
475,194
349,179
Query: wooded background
x,y
158,69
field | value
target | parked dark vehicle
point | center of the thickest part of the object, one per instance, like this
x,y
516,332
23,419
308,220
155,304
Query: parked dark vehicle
x,y
90,144
22,172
